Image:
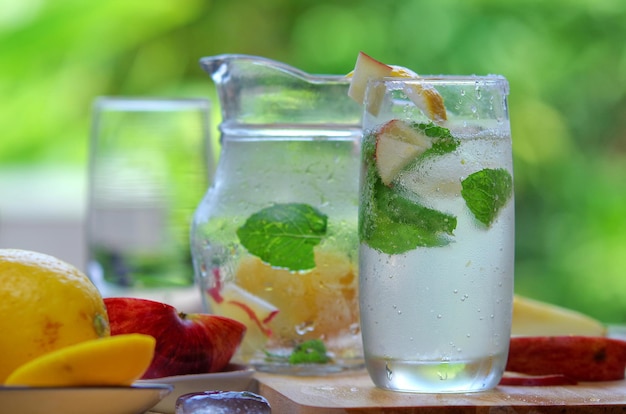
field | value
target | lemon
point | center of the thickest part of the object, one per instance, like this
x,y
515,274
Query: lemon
x,y
45,304
535,318
112,361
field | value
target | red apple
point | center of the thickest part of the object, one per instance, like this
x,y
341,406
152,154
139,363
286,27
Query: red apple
x,y
185,343
582,358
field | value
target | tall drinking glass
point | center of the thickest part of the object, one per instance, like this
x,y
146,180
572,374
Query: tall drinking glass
x,y
436,230
149,168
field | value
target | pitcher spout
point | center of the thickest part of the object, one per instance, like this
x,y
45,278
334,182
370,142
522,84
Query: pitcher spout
x,y
253,90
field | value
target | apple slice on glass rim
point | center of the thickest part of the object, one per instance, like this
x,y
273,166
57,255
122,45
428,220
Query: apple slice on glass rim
x,y
427,99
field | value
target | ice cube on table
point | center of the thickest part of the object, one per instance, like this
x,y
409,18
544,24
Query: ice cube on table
x,y
222,402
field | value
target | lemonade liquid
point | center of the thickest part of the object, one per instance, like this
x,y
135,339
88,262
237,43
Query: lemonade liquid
x,y
436,315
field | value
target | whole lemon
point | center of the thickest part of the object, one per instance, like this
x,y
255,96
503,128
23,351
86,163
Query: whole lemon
x,y
45,304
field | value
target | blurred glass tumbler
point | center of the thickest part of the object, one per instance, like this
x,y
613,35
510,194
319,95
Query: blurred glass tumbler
x,y
150,162
436,231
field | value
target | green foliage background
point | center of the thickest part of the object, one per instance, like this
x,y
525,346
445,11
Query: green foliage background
x,y
565,61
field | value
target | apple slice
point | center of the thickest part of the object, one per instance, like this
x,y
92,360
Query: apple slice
x,y
535,318
428,100
397,144
581,358
425,98
254,312
366,68
236,301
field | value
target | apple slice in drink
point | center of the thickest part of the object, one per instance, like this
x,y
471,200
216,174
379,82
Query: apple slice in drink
x,y
236,303
428,100
397,144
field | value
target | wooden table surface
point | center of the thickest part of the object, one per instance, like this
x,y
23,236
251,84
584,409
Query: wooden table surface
x,y
355,393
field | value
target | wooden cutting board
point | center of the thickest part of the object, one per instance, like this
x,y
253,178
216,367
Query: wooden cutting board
x,y
355,393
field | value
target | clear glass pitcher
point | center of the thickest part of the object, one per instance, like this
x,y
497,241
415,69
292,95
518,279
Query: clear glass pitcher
x,y
274,241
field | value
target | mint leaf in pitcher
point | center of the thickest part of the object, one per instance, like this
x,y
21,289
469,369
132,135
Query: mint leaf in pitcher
x,y
309,352
486,192
284,235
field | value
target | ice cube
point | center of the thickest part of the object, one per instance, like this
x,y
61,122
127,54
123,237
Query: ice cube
x,y
222,402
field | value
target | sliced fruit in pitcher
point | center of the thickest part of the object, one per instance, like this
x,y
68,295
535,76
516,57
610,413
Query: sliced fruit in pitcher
x,y
321,302
234,302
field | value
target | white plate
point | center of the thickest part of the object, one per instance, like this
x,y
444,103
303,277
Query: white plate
x,y
81,400
234,378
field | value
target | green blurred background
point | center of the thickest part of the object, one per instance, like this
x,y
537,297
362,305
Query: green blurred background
x,y
565,61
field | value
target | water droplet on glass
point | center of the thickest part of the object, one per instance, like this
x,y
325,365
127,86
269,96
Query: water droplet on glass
x,y
388,371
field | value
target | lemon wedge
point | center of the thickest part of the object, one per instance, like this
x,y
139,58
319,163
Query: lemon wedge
x,y
116,360
535,318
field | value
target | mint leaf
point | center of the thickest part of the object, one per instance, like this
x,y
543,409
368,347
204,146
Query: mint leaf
x,y
432,130
391,237
312,351
486,192
443,141
404,211
309,352
393,224
284,235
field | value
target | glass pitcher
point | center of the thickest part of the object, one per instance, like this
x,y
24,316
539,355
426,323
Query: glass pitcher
x,y
274,241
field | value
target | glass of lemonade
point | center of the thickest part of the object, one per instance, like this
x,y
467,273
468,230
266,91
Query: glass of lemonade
x,y
436,231
274,240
